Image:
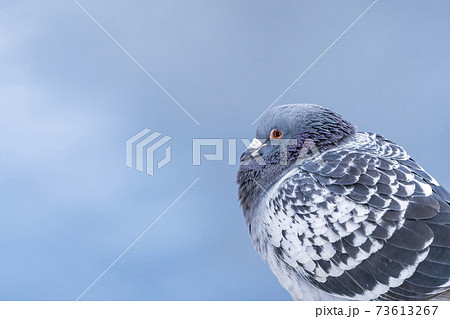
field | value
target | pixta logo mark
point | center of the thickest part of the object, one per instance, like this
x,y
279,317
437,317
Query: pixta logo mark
x,y
141,147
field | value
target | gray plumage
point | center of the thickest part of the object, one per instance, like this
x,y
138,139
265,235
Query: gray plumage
x,y
343,215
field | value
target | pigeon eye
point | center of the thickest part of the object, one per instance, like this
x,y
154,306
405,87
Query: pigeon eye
x,y
275,134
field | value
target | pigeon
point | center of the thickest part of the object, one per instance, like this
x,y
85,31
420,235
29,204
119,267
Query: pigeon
x,y
343,215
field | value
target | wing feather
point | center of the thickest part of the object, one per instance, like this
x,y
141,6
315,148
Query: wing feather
x,y
363,222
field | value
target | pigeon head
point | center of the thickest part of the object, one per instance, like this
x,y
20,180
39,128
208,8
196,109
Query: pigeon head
x,y
286,135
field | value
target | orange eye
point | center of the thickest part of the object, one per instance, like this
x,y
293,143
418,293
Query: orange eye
x,y
275,134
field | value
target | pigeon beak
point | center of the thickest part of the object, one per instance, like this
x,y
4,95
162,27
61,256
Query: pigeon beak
x,y
252,150
254,147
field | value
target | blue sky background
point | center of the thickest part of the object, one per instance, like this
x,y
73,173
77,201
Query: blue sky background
x,y
70,98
